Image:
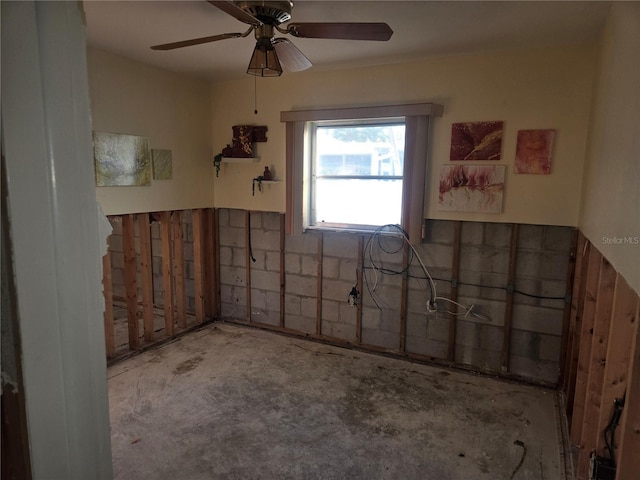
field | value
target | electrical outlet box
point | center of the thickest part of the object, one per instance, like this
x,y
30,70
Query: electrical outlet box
x,y
601,469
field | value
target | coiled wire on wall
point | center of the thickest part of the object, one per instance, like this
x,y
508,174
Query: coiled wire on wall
x,y
391,240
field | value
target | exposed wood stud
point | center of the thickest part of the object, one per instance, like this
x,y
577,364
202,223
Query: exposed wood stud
x,y
319,285
359,273
577,307
198,264
107,288
282,269
455,274
178,268
131,284
216,281
146,274
508,310
247,261
628,458
586,334
618,354
210,257
206,258
599,342
167,271
566,318
402,345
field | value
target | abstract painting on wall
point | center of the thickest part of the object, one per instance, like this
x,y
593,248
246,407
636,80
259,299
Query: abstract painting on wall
x,y
533,151
476,141
162,164
121,159
471,188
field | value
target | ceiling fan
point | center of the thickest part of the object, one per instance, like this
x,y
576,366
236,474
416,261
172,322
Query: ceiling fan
x,y
265,19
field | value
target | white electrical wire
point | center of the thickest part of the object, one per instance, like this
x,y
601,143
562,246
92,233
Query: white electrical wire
x,y
432,305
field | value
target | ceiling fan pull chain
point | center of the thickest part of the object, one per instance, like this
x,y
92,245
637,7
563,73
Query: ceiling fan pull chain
x,y
255,94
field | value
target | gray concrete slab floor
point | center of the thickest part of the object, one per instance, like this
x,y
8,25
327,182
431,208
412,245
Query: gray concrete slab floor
x,y
232,402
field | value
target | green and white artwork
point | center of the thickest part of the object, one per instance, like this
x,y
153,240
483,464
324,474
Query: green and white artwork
x,y
121,159
162,164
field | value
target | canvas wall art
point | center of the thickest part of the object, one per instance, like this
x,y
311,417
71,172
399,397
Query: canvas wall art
x,y
121,160
533,151
476,141
471,188
162,164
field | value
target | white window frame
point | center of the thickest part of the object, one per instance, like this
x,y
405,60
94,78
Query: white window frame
x,y
417,119
309,218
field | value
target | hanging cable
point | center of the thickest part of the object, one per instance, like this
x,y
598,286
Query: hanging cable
x,y
374,268
610,430
373,251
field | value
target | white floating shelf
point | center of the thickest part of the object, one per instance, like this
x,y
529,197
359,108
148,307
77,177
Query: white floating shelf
x,y
239,159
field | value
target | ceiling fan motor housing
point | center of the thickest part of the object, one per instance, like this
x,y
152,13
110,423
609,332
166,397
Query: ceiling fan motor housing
x,y
269,13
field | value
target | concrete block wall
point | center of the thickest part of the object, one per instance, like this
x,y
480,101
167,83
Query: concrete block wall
x,y
541,270
301,282
541,267
117,261
232,255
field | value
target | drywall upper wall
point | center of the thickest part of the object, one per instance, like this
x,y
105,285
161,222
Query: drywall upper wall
x,y
173,112
611,200
545,88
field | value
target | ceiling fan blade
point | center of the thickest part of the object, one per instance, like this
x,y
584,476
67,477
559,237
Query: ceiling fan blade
x,y
290,56
236,12
342,31
196,41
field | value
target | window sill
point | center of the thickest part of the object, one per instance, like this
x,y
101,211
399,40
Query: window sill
x,y
343,228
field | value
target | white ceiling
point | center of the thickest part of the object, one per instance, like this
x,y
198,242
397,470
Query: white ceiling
x,y
421,29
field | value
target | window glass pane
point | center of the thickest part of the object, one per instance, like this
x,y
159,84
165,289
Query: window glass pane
x,y
330,164
358,151
358,202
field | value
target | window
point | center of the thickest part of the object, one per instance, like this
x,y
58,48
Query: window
x,y
336,183
356,173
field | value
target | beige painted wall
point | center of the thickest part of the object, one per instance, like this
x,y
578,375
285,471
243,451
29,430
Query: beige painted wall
x,y
173,112
546,88
611,200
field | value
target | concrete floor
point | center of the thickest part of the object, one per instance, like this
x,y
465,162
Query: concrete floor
x,y
229,402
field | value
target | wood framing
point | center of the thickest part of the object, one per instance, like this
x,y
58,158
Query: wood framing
x,y
146,275
402,344
628,458
575,322
282,271
599,342
216,277
247,263
209,260
359,273
319,284
198,263
213,263
130,274
167,271
586,334
618,355
178,268
107,288
566,318
455,277
508,309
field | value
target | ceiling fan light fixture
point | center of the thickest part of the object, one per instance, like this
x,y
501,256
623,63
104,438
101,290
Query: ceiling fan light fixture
x,y
264,61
